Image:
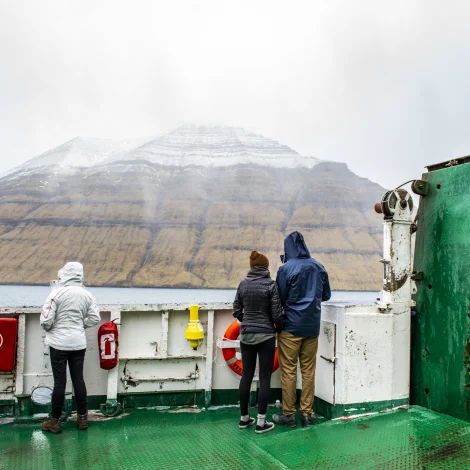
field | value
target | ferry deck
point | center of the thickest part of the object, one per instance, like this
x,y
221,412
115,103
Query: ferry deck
x,y
413,438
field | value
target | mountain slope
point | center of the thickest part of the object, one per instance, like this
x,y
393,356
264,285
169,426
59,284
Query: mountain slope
x,y
81,152
134,222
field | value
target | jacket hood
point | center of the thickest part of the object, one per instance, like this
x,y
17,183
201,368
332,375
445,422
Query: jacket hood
x,y
295,247
71,274
257,272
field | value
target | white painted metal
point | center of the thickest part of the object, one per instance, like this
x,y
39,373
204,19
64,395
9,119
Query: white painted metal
x,y
397,258
209,355
228,343
20,354
163,350
372,350
137,380
325,371
159,358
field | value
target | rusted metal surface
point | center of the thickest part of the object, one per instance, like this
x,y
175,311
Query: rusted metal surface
x,y
420,187
392,200
332,361
417,276
397,262
449,163
393,284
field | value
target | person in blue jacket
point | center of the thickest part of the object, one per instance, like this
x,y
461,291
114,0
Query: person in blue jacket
x,y
303,284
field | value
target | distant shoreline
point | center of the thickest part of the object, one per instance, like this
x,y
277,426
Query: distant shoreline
x,y
160,287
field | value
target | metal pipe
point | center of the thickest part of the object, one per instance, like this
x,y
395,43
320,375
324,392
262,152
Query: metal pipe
x,y
161,358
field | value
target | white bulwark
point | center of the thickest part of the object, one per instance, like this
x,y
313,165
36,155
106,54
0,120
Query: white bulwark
x,y
363,355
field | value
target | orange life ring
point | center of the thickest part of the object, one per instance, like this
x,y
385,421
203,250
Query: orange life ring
x,y
230,355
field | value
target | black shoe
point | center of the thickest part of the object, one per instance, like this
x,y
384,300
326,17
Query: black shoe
x,y
307,420
245,424
266,428
284,420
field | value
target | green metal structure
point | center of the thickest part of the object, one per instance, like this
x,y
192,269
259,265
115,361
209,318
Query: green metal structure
x,y
440,343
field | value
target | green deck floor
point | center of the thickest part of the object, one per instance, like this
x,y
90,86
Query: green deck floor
x,y
404,439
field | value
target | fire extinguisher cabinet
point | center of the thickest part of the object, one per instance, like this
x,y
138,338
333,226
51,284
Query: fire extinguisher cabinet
x,y
8,338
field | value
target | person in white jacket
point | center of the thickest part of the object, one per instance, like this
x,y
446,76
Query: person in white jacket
x,y
68,310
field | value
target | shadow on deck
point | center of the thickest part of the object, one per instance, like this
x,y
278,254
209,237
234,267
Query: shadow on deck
x,y
149,439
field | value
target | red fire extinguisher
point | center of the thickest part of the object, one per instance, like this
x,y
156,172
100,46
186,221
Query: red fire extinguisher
x,y
108,345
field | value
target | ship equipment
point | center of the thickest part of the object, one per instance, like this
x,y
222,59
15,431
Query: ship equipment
x,y
194,331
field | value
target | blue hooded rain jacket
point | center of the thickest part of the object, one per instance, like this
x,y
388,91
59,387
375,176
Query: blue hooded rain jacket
x,y
303,284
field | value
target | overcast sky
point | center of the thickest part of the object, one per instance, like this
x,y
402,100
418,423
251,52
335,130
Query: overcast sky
x,y
382,86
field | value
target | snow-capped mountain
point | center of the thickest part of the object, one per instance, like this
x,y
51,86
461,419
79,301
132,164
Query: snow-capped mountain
x,y
80,152
185,146
142,214
216,146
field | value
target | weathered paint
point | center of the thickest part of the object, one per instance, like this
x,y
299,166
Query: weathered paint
x,y
152,349
150,439
397,208
441,328
329,411
371,352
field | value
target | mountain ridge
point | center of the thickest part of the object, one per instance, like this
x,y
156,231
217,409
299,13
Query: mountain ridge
x,y
145,224
185,146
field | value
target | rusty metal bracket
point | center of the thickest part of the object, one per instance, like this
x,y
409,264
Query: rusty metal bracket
x,y
417,276
420,187
332,361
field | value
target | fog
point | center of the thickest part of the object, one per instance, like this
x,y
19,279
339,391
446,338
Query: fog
x,y
378,85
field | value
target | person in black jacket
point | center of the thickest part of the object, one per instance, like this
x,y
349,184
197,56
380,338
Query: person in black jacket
x,y
258,307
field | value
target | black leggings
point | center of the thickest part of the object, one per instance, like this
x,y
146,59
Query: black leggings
x,y
265,351
59,361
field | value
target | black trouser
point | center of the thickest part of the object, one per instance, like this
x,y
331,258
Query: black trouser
x,y
265,351
59,361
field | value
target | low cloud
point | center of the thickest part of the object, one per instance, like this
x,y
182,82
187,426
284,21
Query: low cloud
x,y
378,85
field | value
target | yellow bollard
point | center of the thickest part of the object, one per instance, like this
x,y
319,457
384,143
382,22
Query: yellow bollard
x,y
194,331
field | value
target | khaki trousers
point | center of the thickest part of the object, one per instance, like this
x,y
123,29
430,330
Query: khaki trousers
x,y
293,349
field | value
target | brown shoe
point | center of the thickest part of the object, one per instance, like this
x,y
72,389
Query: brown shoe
x,y
82,421
52,425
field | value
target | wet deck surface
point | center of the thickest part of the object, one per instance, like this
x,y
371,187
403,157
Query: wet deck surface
x,y
404,439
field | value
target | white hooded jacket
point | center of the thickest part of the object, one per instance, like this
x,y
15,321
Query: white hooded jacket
x,y
68,310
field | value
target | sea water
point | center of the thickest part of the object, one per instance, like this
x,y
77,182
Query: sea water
x,y
33,296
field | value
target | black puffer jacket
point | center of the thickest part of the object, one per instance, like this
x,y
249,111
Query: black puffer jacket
x,y
257,304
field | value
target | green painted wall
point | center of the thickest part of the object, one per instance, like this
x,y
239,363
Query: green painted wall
x,y
440,362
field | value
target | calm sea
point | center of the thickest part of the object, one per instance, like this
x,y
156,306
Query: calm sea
x,y
33,296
